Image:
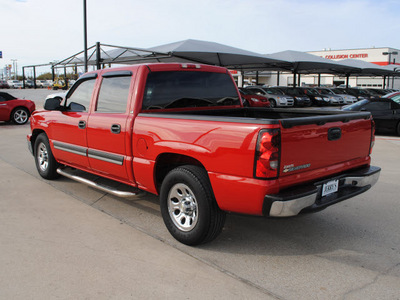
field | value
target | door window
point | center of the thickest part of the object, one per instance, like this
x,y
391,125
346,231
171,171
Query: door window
x,y
80,98
113,97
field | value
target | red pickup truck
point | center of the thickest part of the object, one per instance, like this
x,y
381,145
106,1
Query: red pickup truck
x,y
180,131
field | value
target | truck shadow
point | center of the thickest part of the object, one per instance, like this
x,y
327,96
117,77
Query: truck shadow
x,y
302,235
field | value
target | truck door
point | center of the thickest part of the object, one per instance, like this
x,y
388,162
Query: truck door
x,y
68,134
107,132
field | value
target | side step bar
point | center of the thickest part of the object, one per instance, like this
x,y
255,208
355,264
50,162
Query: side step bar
x,y
109,190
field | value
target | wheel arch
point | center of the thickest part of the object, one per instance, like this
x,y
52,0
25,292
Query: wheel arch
x,y
35,134
166,162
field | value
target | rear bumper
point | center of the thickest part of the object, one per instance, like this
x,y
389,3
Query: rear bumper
x,y
309,198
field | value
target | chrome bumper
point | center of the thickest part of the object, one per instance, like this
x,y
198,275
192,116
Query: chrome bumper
x,y
309,198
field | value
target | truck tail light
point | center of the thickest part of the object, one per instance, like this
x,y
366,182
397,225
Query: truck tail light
x,y
372,136
267,158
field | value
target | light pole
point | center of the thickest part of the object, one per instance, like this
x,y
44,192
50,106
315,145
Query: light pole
x,y
390,55
15,66
85,34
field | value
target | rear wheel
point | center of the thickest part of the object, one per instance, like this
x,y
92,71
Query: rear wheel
x,y
188,206
20,115
44,159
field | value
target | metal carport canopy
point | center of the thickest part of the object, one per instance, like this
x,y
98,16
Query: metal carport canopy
x,y
187,51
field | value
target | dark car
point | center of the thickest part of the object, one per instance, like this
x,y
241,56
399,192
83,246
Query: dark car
x,y
300,98
378,92
316,98
14,109
385,112
4,84
253,99
359,93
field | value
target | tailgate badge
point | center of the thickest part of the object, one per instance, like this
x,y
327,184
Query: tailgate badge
x,y
292,167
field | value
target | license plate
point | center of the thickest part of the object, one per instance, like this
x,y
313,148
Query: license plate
x,y
330,187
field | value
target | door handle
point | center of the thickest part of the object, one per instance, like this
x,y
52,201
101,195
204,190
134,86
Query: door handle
x,y
82,124
116,128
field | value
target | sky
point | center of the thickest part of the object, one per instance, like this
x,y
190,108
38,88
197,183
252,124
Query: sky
x,y
40,31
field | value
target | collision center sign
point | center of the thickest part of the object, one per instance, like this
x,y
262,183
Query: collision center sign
x,y
345,56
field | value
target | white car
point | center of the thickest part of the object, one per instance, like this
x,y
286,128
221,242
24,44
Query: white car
x,y
42,83
59,96
14,84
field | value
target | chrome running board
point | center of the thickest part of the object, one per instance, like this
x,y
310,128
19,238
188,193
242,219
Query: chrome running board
x,y
109,190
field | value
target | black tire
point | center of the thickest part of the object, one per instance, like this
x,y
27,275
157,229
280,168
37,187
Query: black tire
x,y
272,103
44,159
188,206
20,115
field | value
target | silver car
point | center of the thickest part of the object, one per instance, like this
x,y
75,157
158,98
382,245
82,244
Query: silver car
x,y
333,98
348,99
275,96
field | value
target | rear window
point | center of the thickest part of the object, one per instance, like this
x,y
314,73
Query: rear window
x,y
189,89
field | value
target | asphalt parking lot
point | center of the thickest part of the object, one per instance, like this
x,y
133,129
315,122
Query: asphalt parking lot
x,y
61,239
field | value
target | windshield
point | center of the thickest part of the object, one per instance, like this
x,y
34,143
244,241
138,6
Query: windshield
x,y
325,91
273,91
244,91
356,106
311,92
175,89
294,91
339,91
396,99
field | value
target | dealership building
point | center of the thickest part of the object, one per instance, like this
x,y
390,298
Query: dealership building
x,y
378,56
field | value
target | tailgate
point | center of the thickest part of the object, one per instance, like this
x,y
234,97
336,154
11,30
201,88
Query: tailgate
x,y
324,143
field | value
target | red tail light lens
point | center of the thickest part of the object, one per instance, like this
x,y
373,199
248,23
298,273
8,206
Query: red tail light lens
x,y
372,136
267,154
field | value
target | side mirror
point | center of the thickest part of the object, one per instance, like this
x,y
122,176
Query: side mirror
x,y
76,107
52,104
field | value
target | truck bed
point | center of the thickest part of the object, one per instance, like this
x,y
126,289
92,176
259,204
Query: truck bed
x,y
287,117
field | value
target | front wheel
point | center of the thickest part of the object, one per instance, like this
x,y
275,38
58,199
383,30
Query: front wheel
x,y
272,103
188,206
20,115
44,159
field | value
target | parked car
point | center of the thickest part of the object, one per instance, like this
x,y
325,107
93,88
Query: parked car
x,y
14,109
300,98
4,84
14,84
378,92
275,96
42,83
316,98
29,84
348,99
333,98
385,111
359,93
253,99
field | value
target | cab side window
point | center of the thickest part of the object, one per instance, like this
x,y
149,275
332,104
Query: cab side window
x,y
374,106
113,96
80,98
